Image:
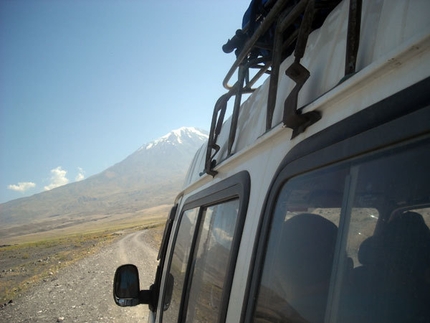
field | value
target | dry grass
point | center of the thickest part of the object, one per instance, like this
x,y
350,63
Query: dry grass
x,y
29,259
65,225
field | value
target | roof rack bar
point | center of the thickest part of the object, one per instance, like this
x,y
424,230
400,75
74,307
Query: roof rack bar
x,y
293,118
278,48
235,116
262,69
265,25
216,125
353,37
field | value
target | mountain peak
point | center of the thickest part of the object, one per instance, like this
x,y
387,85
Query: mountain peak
x,y
178,136
150,177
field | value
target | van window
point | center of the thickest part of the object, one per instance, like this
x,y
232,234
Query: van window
x,y
389,280
179,263
301,248
211,261
351,243
202,252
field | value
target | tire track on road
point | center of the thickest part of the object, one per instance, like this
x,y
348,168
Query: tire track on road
x,y
83,291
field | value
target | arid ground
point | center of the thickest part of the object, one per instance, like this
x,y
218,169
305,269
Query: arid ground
x,y
70,278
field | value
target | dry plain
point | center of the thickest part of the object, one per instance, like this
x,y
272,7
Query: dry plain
x,y
32,260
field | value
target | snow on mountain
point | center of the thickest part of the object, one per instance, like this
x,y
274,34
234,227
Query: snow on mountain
x,y
179,136
149,177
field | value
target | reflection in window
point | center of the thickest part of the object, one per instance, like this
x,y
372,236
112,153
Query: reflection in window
x,y
390,281
362,225
211,261
301,248
351,243
179,264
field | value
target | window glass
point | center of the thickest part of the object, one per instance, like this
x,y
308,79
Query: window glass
x,y
425,212
351,243
179,264
211,261
300,252
390,279
362,225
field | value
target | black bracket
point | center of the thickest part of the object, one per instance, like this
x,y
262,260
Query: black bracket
x,y
216,125
292,117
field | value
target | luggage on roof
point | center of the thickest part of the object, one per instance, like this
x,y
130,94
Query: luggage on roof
x,y
256,13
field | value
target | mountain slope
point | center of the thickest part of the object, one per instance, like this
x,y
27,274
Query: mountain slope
x,y
151,176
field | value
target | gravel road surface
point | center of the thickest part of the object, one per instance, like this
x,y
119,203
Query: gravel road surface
x,y
83,291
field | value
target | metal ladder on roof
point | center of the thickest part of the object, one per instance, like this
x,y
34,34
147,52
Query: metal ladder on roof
x,y
291,22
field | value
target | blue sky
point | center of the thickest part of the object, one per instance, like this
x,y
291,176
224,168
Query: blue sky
x,y
85,83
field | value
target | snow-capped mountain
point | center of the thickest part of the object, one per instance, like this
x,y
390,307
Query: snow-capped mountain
x,y
171,153
185,135
149,177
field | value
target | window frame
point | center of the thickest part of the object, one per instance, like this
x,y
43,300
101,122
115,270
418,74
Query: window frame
x,y
236,186
373,130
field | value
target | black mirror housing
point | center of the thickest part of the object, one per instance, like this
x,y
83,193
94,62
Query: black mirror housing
x,y
126,286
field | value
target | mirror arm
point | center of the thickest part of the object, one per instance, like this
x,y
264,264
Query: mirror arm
x,y
149,296
145,296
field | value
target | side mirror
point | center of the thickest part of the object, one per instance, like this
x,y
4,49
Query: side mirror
x,y
126,287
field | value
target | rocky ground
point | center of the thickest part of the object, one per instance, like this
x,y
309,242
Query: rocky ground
x,y
83,291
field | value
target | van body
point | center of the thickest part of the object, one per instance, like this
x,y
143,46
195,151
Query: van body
x,y
311,203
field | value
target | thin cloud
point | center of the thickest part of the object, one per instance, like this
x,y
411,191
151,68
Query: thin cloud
x,y
81,175
21,186
58,178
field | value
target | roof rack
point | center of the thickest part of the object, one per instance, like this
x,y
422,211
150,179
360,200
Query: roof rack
x,y
290,23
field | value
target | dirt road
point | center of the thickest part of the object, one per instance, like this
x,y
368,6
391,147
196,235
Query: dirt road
x,y
83,291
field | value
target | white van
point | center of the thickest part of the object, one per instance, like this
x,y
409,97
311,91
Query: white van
x,y
311,202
